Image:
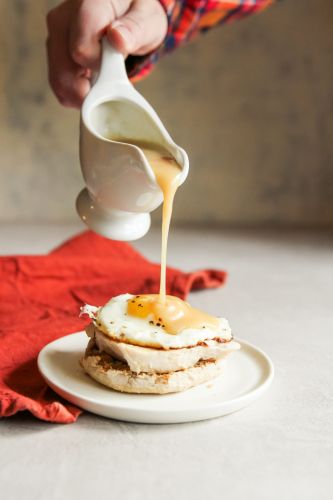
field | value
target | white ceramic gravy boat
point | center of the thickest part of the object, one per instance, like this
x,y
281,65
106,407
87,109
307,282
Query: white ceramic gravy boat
x,y
121,188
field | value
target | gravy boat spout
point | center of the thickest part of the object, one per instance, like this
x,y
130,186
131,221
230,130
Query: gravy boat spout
x,y
121,188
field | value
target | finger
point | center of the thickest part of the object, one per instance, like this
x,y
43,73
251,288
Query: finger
x,y
68,80
89,22
141,29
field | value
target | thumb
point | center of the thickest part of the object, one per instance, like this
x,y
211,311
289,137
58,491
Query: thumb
x,y
141,29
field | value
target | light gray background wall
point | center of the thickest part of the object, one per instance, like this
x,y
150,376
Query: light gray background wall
x,y
251,102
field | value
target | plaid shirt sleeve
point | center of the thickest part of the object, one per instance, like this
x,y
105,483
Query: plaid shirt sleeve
x,y
188,18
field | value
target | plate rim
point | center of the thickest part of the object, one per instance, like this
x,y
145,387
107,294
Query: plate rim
x,y
250,395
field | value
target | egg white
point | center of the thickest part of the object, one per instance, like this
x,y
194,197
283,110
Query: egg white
x,y
114,321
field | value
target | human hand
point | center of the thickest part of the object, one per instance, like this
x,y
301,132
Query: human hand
x,y
75,28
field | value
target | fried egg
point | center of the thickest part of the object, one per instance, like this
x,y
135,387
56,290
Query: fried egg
x,y
116,323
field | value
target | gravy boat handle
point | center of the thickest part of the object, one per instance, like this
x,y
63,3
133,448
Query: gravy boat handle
x,y
112,69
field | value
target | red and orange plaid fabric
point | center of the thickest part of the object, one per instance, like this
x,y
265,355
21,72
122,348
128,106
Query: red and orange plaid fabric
x,y
187,18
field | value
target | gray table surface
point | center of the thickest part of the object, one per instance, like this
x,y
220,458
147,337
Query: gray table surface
x,y
279,296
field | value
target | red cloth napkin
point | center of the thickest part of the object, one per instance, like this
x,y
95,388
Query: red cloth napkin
x,y
40,298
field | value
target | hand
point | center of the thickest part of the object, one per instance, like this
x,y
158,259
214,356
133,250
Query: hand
x,y
75,28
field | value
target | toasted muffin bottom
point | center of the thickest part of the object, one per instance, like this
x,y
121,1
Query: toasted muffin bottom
x,y
116,374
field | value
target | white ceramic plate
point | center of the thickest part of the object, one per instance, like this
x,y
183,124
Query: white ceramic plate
x,y
247,374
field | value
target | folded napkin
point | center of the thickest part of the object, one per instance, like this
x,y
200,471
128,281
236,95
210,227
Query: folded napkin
x,y
40,299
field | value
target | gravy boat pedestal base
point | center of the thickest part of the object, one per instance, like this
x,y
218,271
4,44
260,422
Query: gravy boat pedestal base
x,y
113,224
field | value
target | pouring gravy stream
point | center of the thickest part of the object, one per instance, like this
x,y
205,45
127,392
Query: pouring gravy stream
x,y
167,311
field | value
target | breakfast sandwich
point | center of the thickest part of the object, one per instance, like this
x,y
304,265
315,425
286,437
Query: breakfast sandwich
x,y
140,345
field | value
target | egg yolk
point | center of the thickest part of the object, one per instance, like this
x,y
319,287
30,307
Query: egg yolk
x,y
173,314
